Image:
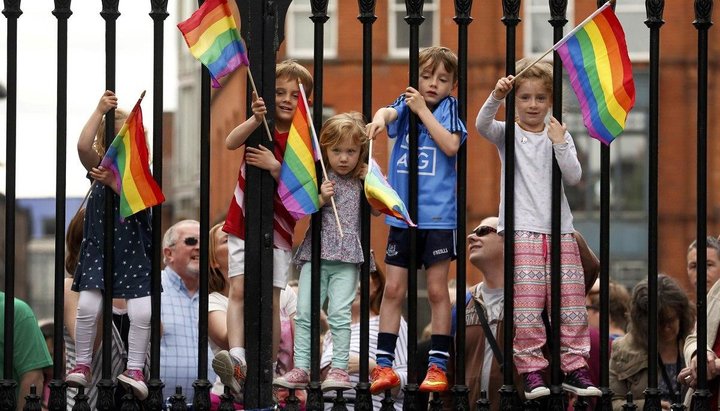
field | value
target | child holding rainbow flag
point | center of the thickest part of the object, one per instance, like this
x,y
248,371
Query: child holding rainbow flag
x,y
535,144
132,242
230,365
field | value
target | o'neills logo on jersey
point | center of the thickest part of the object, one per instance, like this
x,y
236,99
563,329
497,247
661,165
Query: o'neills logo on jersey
x,y
391,250
440,251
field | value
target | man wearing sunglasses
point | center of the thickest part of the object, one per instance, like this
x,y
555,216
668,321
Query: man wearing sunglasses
x,y
484,346
483,354
180,307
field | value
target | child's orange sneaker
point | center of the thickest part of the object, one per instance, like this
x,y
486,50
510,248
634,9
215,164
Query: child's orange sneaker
x,y
435,380
383,378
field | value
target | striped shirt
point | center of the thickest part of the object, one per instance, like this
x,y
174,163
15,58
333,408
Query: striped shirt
x,y
283,222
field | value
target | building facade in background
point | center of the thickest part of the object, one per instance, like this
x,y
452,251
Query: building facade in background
x,y
629,153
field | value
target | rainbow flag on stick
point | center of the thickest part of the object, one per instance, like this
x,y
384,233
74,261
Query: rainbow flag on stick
x,y
297,186
382,196
127,158
213,38
596,58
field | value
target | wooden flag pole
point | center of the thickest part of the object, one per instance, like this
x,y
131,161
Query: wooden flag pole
x,y
252,84
609,3
316,143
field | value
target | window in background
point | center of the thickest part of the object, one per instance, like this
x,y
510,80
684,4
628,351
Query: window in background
x,y
399,30
299,33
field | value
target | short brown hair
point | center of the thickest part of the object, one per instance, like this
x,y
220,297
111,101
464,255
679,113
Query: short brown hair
x,y
293,70
437,55
342,126
618,303
542,70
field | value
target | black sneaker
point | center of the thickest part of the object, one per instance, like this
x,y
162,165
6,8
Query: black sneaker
x,y
579,382
535,385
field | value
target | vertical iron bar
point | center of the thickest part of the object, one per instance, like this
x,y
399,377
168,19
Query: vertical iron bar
x,y
252,14
558,20
315,397
460,390
703,14
105,401
261,21
414,19
510,19
201,386
155,385
57,400
654,21
607,393
363,399
7,386
271,21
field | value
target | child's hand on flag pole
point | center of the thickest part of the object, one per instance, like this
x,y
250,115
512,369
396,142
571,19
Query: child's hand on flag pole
x,y
105,176
327,191
258,107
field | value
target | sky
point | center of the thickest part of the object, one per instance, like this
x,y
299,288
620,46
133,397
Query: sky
x,y
37,80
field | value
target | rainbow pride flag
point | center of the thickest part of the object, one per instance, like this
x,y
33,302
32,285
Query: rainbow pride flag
x,y
213,38
596,58
127,158
297,186
382,196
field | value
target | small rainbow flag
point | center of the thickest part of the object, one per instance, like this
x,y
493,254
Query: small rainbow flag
x,y
596,58
382,196
297,186
127,158
213,38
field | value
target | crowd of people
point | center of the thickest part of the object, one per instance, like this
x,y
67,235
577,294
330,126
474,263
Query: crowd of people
x,y
344,145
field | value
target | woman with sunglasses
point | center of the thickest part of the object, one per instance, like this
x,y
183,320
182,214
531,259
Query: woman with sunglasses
x,y
132,241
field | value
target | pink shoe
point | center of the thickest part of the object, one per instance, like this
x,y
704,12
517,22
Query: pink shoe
x,y
134,380
297,378
80,376
337,379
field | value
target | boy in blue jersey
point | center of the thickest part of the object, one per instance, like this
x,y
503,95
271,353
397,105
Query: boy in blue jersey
x,y
440,134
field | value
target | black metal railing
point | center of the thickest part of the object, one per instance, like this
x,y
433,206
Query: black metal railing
x,y
262,27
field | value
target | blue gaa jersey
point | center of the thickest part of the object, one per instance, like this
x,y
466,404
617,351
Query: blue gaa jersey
x,y
437,203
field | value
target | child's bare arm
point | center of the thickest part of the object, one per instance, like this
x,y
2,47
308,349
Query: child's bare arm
x,y
381,119
239,134
88,156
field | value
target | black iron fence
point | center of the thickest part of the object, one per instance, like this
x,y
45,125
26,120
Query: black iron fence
x,y
262,27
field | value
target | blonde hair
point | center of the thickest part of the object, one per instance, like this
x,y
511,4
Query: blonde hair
x,y
291,69
542,70
99,143
437,55
341,127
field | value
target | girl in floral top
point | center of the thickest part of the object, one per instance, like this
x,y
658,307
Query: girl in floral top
x,y
344,147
